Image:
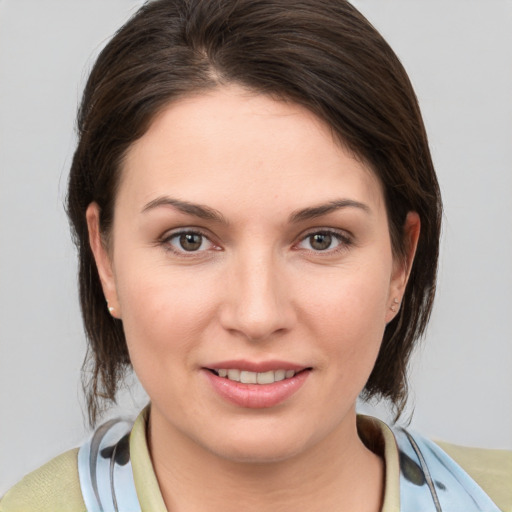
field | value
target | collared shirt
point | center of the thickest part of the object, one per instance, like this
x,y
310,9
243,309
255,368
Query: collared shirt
x,y
55,486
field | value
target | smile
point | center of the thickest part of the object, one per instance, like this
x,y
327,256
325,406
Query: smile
x,y
252,389
248,377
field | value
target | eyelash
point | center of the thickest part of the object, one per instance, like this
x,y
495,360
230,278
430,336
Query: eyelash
x,y
345,241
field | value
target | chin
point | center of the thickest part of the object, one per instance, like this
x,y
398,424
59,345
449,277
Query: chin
x,y
259,446
258,453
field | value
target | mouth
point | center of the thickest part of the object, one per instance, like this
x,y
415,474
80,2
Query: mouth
x,y
249,377
256,386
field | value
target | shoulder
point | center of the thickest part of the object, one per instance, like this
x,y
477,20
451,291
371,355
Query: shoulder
x,y
491,470
53,487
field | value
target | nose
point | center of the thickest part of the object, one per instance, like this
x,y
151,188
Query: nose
x,y
257,302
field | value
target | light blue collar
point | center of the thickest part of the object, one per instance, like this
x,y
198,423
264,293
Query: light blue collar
x,y
431,481
105,470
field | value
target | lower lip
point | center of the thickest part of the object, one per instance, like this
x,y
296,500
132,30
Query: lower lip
x,y
257,396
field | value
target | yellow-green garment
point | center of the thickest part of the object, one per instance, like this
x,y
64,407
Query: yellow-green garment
x,y
55,486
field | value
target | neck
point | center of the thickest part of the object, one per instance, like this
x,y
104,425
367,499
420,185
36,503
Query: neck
x,y
338,473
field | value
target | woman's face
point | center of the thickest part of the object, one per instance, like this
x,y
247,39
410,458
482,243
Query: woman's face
x,y
248,245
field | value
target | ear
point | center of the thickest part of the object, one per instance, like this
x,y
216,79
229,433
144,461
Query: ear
x,y
103,260
402,266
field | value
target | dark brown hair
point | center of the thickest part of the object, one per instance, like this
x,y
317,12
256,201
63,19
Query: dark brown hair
x,y
322,54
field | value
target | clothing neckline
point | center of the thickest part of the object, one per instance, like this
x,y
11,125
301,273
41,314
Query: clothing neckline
x,y
374,433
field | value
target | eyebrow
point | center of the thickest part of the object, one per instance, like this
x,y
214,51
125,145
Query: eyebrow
x,y
324,209
208,213
197,210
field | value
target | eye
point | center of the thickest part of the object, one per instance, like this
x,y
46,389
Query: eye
x,y
321,241
324,241
188,241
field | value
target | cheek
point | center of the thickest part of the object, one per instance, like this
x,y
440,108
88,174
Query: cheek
x,y
348,315
353,297
164,311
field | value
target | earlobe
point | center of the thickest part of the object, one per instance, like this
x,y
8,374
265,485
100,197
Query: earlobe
x,y
402,270
103,260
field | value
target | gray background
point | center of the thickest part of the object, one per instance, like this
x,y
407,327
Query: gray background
x,y
459,56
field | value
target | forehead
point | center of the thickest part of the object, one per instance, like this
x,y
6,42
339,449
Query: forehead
x,y
237,147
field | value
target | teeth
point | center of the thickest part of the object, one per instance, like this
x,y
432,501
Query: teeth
x,y
234,375
279,375
246,377
265,378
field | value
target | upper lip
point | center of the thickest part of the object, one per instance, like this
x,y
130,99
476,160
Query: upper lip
x,y
256,366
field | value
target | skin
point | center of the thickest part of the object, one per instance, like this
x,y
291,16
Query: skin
x,y
258,289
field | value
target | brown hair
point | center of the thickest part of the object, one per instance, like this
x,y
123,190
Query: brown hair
x,y
322,54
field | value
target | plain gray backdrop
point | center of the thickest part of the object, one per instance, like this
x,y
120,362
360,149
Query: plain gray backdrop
x,y
459,56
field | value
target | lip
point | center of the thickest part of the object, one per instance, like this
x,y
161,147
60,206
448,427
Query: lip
x,y
254,366
256,396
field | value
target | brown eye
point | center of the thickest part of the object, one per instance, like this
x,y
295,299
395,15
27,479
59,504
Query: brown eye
x,y
190,241
326,241
320,241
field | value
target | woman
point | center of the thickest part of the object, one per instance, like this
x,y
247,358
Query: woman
x,y
252,195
